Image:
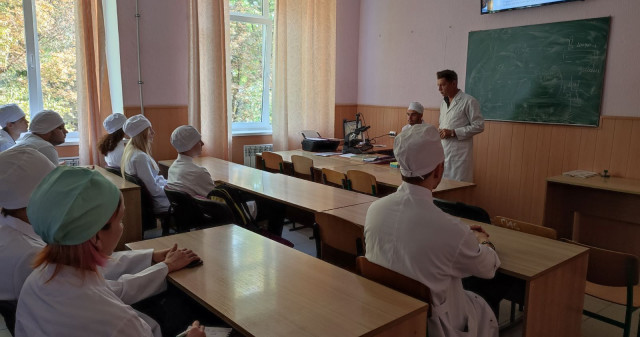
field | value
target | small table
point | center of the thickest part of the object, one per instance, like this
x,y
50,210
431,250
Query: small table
x,y
555,274
263,288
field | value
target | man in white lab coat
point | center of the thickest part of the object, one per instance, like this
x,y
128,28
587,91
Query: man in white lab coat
x,y
414,115
12,123
46,131
407,233
460,120
184,175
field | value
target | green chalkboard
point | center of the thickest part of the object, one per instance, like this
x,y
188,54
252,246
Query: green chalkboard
x,y
547,73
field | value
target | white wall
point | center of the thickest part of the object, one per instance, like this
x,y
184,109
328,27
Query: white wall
x,y
163,49
347,42
404,42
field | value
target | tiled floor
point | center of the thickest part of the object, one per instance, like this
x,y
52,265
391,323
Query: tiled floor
x,y
590,326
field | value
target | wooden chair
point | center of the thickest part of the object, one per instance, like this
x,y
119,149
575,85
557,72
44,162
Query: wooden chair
x,y
302,167
613,276
463,210
362,182
393,280
525,227
338,241
516,292
334,178
272,162
146,207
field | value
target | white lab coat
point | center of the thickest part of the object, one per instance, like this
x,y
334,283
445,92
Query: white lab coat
x,y
145,168
44,147
462,115
408,126
6,141
130,274
114,157
75,304
188,177
407,233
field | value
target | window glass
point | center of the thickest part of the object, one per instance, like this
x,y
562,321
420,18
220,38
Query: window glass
x,y
246,71
57,46
252,7
14,87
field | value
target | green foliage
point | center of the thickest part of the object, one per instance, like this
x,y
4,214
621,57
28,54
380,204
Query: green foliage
x,y
56,39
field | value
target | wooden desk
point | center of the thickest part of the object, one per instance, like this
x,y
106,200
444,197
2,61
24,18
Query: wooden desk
x,y
263,288
554,272
603,212
132,219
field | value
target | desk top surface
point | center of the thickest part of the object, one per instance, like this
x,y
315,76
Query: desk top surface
x,y
522,255
264,288
120,182
300,193
614,184
321,162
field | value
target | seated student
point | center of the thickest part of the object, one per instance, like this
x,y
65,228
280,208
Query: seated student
x,y
407,233
414,115
186,176
12,123
78,213
183,174
112,144
132,275
137,161
45,131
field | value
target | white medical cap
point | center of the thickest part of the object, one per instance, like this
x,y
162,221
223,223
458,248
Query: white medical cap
x,y
21,170
418,150
45,121
114,122
185,137
135,124
417,107
10,113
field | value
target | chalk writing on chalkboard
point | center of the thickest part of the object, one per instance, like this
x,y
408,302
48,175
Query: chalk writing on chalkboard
x,y
546,73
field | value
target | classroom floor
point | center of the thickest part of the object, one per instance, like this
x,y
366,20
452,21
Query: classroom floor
x,y
590,326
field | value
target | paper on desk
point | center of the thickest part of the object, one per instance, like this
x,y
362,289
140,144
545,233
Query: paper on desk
x,y
580,174
327,154
348,155
212,331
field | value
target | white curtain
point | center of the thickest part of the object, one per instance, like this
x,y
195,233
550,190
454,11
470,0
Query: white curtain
x,y
305,56
208,64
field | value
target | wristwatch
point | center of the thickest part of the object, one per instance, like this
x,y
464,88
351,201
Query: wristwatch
x,y
489,244
453,132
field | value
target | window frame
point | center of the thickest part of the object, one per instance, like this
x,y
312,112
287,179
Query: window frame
x,y
264,127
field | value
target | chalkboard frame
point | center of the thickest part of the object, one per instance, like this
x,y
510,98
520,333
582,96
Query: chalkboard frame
x,y
550,73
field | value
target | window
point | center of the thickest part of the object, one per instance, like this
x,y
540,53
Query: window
x,y
38,57
251,46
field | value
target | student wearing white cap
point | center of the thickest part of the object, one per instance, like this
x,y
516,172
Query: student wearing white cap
x,y
45,131
78,213
137,160
407,233
112,144
414,115
460,120
184,175
12,123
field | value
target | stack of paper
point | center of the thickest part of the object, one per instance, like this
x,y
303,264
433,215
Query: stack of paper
x,y
580,174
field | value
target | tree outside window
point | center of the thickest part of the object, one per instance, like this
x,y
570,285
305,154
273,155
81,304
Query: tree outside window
x,y
251,46
38,70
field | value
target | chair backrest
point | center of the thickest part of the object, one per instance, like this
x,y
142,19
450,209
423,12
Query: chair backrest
x,y
463,210
184,210
393,280
272,162
114,170
216,213
610,268
146,203
333,178
362,182
302,167
8,312
339,241
525,227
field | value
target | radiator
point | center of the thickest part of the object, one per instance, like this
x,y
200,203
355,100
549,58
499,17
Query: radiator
x,y
250,152
70,161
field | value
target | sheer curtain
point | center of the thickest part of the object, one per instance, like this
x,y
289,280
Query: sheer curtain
x,y
305,54
208,64
94,98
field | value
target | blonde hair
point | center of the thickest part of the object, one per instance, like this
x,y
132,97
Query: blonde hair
x,y
138,142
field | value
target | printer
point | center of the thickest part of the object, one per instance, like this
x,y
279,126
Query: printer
x,y
313,142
